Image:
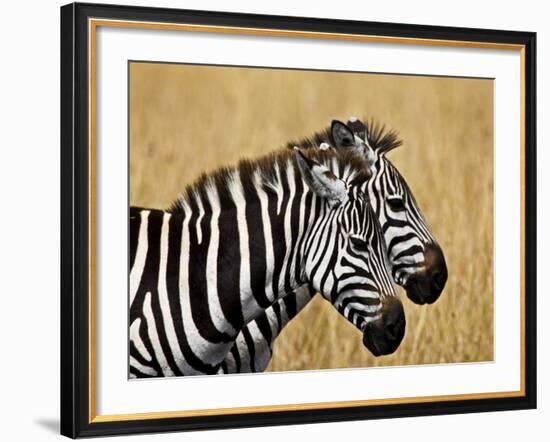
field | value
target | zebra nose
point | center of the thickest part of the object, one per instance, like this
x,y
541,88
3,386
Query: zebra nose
x,y
426,286
384,335
437,272
439,279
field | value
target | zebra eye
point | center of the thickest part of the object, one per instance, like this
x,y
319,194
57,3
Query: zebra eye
x,y
359,244
396,203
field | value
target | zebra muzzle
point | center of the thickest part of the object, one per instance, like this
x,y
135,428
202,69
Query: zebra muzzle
x,y
384,335
426,287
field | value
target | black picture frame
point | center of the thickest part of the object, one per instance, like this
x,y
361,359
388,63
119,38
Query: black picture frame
x,y
75,194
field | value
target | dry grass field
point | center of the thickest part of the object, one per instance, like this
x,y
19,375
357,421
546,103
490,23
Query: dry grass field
x,y
188,119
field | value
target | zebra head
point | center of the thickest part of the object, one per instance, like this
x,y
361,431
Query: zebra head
x,y
344,255
417,261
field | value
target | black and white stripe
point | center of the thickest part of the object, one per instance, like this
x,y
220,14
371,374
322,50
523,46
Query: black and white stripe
x,y
239,240
410,243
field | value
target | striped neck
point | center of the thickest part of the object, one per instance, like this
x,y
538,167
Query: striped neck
x,y
256,225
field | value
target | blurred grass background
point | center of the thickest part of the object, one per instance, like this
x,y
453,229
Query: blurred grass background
x,y
188,119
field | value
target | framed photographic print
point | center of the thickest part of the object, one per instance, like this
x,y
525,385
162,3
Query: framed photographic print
x,y
277,220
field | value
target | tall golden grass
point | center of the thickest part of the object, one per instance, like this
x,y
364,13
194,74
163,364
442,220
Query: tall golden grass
x,y
185,120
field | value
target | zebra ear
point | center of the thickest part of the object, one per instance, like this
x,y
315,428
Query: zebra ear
x,y
342,135
321,180
345,138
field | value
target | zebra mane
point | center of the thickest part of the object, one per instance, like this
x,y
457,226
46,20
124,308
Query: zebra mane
x,y
264,171
376,135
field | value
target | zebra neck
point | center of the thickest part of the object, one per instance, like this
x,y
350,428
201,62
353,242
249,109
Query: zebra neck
x,y
243,256
270,236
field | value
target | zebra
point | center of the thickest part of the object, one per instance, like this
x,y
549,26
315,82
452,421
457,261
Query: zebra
x,y
417,261
238,240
